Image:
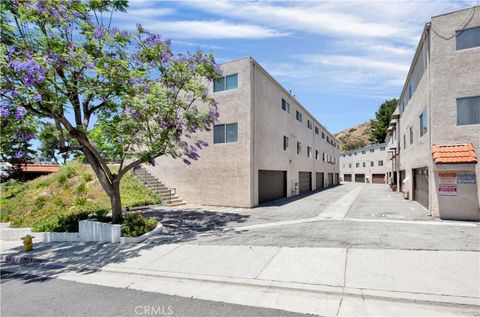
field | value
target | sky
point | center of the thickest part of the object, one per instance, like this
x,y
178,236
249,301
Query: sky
x,y
341,59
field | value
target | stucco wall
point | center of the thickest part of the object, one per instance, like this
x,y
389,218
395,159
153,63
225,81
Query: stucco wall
x,y
271,123
222,174
454,74
356,156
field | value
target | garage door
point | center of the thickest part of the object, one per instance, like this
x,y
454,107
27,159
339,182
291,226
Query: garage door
x,y
378,178
330,179
305,181
420,186
359,178
320,180
347,177
271,185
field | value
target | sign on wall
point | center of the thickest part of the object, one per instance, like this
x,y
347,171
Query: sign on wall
x,y
447,184
466,178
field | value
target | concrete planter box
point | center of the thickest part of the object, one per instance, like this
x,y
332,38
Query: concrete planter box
x,y
90,230
143,237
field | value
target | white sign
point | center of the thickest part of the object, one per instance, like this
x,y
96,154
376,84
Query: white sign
x,y
447,184
466,178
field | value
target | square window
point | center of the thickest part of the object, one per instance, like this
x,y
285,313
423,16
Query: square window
x,y
232,132
219,85
219,133
232,81
467,38
468,110
380,163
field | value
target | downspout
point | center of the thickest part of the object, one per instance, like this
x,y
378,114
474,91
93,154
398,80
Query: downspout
x,y
431,176
252,133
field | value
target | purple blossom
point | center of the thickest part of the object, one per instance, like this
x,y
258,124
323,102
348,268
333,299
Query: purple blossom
x,y
33,71
90,65
37,97
40,7
140,28
24,136
99,33
15,93
153,39
131,112
187,162
77,14
19,154
20,113
4,110
217,69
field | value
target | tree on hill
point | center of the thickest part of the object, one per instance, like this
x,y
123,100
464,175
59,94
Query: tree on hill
x,y
111,91
379,125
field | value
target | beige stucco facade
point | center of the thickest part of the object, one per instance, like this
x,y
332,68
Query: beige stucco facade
x,y
441,74
369,161
227,174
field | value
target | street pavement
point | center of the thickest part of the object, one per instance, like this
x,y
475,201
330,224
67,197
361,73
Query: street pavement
x,y
330,253
28,295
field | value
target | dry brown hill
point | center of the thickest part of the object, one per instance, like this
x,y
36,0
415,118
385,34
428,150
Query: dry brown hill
x,y
354,137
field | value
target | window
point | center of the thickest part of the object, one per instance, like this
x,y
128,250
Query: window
x,y
328,139
364,164
468,110
317,156
411,90
323,157
309,124
357,164
372,163
423,123
285,143
317,130
299,148
285,106
298,115
226,83
411,135
467,38
404,142
372,150
364,152
380,163
225,133
355,153
350,165
323,135
309,151
382,148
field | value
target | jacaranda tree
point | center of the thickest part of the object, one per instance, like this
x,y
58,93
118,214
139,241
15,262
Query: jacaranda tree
x,y
114,93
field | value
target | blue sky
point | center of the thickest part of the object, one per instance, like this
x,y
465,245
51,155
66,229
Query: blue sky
x,y
341,59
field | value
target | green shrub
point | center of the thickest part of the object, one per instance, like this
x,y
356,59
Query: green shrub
x,y
61,223
40,202
87,177
135,225
80,201
62,178
81,188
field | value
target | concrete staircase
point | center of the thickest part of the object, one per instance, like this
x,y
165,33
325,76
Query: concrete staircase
x,y
167,194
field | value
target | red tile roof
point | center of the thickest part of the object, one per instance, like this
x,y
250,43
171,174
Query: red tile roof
x,y
454,154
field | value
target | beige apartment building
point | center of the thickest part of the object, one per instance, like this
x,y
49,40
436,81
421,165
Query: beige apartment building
x,y
364,165
435,131
265,146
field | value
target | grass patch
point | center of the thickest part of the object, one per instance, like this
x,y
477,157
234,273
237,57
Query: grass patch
x,y
57,201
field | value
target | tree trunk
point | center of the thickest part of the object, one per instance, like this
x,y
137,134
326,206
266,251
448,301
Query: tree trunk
x,y
116,202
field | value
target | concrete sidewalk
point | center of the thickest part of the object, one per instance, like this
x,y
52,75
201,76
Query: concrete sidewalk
x,y
324,281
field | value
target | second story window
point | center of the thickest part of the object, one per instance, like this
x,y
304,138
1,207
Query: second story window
x,y
309,124
404,142
364,152
372,150
364,164
317,130
371,163
357,164
285,143
467,38
380,163
225,133
468,110
226,83
285,106
317,156
299,148
323,157
350,165
382,148
423,123
298,115
309,151
411,135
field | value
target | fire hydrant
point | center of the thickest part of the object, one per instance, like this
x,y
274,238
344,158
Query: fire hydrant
x,y
27,242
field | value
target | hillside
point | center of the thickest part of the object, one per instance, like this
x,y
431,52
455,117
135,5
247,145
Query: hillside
x,y
354,137
57,201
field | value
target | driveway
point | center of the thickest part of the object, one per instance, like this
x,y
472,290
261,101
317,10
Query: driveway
x,y
350,215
